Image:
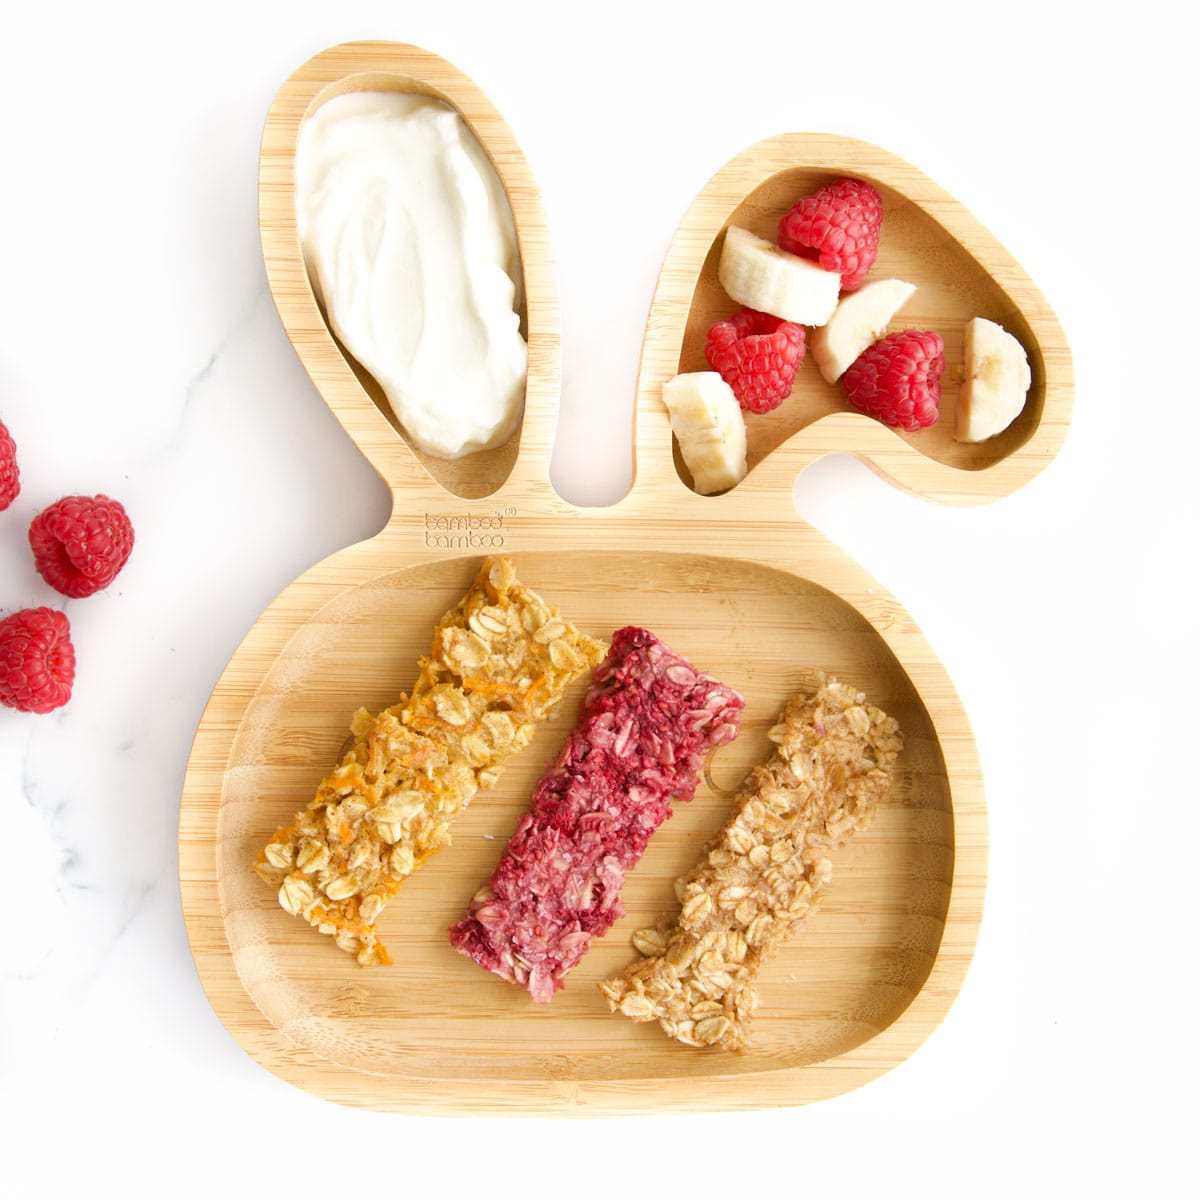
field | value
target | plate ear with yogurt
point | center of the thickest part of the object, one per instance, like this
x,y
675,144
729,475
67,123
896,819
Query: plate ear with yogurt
x,y
411,250
735,582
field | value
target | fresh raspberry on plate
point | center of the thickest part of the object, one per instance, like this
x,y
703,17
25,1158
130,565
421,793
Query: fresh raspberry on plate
x,y
10,477
37,660
80,543
898,380
838,227
757,355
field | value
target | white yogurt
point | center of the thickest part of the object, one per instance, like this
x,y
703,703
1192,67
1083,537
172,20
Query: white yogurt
x,y
410,247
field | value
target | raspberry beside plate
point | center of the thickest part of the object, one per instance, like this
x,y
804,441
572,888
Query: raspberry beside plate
x,y
81,543
10,476
37,660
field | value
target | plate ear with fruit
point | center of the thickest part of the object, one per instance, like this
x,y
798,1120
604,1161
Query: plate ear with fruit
x,y
1005,381
725,572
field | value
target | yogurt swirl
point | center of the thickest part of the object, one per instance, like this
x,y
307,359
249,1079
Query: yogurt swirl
x,y
411,250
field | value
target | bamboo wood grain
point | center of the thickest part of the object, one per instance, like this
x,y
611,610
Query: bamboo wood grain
x,y
737,583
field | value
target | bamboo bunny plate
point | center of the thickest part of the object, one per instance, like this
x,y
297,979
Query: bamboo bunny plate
x,y
736,583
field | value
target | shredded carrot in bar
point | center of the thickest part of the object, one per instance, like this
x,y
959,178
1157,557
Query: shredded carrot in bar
x,y
411,769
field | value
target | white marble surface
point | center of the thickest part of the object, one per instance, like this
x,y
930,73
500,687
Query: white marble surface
x,y
141,356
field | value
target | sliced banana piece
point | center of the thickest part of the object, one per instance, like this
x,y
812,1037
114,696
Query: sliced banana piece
x,y
995,383
860,320
707,420
759,275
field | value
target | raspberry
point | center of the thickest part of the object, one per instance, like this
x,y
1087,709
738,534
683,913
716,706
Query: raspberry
x,y
898,380
838,227
757,355
37,660
10,477
80,543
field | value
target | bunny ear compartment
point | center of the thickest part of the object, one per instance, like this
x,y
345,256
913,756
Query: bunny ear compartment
x,y
772,230
407,253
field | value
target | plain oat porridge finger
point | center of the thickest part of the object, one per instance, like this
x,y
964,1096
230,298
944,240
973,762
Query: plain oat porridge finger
x,y
764,872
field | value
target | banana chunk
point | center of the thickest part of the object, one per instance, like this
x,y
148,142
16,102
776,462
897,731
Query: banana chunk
x,y
707,420
859,321
756,273
996,381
